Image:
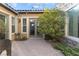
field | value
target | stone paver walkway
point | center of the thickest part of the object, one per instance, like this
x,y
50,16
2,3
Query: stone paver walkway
x,y
34,47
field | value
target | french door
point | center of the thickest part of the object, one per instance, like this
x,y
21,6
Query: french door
x,y
33,26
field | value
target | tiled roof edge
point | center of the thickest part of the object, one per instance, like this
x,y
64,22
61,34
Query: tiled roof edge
x,y
9,7
30,10
16,11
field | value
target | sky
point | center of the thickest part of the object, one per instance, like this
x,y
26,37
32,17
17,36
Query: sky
x,y
28,6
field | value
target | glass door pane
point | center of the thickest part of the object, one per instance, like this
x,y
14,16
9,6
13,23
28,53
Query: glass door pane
x,y
32,26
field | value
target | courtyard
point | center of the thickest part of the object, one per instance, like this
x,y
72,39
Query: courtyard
x,y
55,24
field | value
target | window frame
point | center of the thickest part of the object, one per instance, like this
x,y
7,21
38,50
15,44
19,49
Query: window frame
x,y
13,24
22,24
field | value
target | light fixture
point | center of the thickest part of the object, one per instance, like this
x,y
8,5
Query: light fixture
x,y
31,20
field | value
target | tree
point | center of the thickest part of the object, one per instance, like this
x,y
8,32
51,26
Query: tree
x,y
52,22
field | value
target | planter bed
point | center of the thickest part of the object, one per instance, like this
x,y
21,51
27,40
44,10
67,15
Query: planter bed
x,y
64,46
65,49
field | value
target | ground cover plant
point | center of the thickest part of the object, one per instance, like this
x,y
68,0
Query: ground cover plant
x,y
66,50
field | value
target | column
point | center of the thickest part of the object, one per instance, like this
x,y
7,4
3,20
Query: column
x,y
10,23
66,24
16,25
35,27
28,34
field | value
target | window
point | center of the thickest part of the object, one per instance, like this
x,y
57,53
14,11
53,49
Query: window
x,y
13,24
2,26
70,24
73,22
24,24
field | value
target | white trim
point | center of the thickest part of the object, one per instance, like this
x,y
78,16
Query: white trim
x,y
22,24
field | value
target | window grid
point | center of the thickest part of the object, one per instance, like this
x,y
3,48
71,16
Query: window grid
x,y
13,24
24,24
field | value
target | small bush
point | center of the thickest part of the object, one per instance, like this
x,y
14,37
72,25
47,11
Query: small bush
x,y
20,37
23,37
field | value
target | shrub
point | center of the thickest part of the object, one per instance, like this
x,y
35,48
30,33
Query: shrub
x,y
52,23
23,37
20,37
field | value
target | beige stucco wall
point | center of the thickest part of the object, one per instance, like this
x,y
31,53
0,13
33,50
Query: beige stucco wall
x,y
27,16
18,21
